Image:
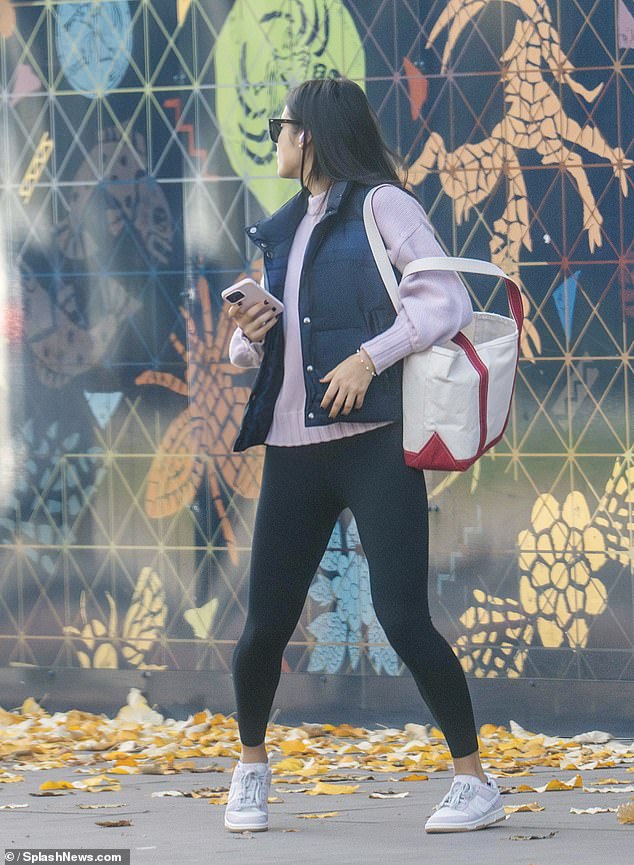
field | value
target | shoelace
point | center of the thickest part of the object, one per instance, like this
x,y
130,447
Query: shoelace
x,y
461,793
252,788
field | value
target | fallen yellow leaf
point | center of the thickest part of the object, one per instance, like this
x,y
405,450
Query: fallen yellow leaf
x,y
531,806
510,773
95,781
31,707
291,764
295,746
345,731
376,766
98,784
185,766
311,771
321,816
488,730
335,776
137,711
625,812
321,788
162,767
221,799
123,758
57,785
573,784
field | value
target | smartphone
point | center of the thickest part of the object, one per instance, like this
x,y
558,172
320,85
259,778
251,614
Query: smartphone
x,y
247,292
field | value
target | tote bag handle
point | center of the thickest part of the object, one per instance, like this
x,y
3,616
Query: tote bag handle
x,y
457,265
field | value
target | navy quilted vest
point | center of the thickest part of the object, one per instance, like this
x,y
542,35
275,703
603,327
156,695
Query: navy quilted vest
x,y
342,303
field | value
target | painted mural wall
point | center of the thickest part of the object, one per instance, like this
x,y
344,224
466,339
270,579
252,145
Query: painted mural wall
x,y
134,149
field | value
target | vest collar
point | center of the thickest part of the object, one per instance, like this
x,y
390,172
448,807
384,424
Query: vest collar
x,y
283,223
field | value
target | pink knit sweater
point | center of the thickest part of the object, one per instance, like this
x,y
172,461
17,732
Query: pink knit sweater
x,y
435,307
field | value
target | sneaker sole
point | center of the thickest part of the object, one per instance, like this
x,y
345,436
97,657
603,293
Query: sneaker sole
x,y
242,827
496,817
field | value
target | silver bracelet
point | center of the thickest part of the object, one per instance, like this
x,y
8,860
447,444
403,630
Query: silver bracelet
x,y
365,366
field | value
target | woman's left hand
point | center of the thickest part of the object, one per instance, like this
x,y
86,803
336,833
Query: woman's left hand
x,y
348,383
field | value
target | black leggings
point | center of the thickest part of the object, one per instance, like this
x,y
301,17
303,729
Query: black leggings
x,y
304,489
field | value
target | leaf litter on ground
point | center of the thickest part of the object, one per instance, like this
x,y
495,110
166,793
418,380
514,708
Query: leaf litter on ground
x,y
312,759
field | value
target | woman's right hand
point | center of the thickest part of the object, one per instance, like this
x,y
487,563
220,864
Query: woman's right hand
x,y
254,322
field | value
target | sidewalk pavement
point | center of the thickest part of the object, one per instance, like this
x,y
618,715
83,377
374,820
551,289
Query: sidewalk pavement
x,y
189,831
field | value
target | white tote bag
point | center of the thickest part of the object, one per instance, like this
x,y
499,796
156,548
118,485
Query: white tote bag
x,y
456,396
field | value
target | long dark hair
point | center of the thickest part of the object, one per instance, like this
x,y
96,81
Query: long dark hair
x,y
345,133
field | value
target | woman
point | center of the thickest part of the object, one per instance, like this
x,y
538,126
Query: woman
x,y
327,404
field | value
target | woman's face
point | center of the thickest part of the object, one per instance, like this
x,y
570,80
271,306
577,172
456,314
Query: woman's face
x,y
289,152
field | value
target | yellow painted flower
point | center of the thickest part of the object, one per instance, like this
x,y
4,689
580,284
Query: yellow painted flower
x,y
614,514
142,627
558,557
498,635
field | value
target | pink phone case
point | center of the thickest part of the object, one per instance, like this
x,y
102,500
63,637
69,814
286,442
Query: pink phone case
x,y
247,292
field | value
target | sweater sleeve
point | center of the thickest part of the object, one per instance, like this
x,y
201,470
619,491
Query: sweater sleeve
x,y
243,352
436,304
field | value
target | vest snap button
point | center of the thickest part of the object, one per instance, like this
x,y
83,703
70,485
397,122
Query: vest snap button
x,y
311,415
309,368
307,320
252,230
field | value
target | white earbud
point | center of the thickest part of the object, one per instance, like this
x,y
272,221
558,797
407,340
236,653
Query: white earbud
x,y
301,139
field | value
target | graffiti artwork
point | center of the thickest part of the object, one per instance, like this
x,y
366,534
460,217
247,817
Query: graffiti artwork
x,y
135,151
94,41
262,51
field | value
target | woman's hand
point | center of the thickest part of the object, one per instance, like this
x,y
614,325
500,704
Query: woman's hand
x,y
254,322
348,383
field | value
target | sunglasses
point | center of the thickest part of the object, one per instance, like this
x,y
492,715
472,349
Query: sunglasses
x,y
276,124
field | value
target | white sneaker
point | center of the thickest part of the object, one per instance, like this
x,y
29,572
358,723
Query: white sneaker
x,y
470,804
247,807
